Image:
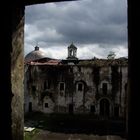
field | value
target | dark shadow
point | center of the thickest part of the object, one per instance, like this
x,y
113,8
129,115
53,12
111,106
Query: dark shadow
x,y
76,123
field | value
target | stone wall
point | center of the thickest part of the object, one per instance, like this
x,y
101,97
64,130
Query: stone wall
x,y
17,73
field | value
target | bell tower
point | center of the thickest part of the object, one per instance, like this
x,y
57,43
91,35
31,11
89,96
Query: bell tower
x,y
72,52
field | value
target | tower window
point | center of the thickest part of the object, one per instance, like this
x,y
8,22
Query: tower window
x,y
72,50
71,53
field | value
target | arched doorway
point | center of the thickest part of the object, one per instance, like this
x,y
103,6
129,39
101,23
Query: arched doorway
x,y
104,108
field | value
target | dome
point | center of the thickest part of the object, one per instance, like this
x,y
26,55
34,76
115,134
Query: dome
x,y
34,55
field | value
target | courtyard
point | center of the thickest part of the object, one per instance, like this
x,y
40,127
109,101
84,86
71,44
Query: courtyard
x,y
72,127
47,135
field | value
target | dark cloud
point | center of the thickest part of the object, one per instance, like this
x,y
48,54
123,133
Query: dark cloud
x,y
84,22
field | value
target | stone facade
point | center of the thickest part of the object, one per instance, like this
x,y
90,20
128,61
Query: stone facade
x,y
96,86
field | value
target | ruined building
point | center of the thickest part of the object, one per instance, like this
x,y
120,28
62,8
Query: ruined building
x,y
12,70
96,86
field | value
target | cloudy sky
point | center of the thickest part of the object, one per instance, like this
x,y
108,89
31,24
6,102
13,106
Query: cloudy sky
x,y
96,27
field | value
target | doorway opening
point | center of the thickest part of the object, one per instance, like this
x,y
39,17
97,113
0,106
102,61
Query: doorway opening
x,y
105,108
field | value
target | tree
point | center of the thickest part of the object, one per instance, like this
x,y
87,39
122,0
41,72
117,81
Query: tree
x,y
111,55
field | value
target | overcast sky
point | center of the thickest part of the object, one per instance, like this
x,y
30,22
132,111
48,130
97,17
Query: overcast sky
x,y
96,27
